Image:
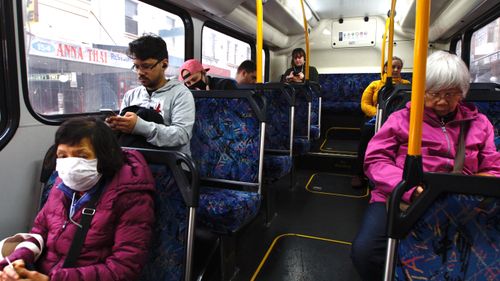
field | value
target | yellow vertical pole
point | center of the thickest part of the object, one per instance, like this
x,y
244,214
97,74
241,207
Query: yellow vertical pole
x,y
259,39
418,84
391,39
306,33
384,41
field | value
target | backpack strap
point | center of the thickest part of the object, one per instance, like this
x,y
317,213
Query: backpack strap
x,y
460,156
87,215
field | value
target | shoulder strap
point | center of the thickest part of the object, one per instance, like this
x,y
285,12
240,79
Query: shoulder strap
x,y
460,156
87,214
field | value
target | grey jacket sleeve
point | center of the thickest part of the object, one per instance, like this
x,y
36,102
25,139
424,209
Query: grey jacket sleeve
x,y
179,132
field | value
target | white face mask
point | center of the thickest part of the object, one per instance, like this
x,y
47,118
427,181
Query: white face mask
x,y
78,173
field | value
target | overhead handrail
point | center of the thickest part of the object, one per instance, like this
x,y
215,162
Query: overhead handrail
x,y
306,35
259,39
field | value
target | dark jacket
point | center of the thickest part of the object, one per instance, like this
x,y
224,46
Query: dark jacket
x,y
215,83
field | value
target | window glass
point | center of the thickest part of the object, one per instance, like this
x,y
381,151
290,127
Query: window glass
x,y
485,53
222,53
458,48
76,51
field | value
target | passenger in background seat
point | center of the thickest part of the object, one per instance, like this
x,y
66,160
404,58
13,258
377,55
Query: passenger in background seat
x,y
447,83
246,73
195,77
172,100
91,166
369,107
297,73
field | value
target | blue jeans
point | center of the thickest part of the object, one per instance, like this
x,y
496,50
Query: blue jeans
x,y
370,245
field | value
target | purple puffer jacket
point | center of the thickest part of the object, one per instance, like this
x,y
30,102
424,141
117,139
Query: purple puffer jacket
x,y
116,246
387,150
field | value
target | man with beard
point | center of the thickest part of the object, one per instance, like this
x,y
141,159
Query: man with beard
x,y
195,77
169,98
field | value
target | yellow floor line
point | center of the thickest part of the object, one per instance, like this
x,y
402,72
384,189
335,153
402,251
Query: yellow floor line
x,y
264,259
333,193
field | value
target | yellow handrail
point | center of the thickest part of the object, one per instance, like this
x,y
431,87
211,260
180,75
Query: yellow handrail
x,y
391,39
418,80
384,41
259,39
306,33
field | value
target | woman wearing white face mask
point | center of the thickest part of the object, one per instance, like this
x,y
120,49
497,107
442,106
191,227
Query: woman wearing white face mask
x,y
90,164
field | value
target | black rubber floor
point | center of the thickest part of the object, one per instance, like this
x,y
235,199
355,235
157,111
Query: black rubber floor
x,y
334,185
303,212
341,140
300,257
340,146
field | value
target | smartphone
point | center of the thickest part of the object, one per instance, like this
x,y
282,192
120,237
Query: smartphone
x,y
107,112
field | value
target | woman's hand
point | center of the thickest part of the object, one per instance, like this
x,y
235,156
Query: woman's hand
x,y
18,271
416,193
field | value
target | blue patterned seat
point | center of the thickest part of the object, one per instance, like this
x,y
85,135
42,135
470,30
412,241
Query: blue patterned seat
x,y
316,105
278,151
167,257
458,238
492,111
226,146
301,137
342,92
485,97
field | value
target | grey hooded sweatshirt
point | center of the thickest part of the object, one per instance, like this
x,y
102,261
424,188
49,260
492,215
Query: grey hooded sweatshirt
x,y
175,103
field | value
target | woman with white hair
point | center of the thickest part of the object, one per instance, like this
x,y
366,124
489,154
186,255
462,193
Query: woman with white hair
x,y
445,115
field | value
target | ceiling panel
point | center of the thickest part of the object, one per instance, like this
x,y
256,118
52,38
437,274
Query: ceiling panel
x,y
334,9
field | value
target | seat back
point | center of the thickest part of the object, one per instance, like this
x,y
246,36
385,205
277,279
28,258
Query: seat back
x,y
486,97
280,100
390,100
228,136
450,232
314,89
176,181
303,108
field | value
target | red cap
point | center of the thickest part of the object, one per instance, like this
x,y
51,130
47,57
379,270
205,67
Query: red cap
x,y
192,66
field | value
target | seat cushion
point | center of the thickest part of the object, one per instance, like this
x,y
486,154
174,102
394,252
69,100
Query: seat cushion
x,y
315,132
227,210
276,166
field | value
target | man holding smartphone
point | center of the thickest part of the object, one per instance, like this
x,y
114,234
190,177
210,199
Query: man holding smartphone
x,y
169,98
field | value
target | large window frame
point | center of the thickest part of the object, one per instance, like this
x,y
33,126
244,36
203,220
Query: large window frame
x,y
240,36
58,119
9,91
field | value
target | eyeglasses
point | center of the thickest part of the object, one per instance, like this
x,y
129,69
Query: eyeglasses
x,y
144,66
396,67
446,96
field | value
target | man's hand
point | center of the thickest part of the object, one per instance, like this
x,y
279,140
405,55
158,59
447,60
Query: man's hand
x,y
124,123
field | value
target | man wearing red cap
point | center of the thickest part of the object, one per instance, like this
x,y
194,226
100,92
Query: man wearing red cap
x,y
195,77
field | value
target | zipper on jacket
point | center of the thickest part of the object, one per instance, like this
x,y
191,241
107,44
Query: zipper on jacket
x,y
443,128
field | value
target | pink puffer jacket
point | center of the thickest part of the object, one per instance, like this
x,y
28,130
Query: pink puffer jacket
x,y
117,242
387,150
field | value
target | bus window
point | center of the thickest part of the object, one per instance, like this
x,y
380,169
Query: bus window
x,y
485,53
223,53
458,49
76,51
